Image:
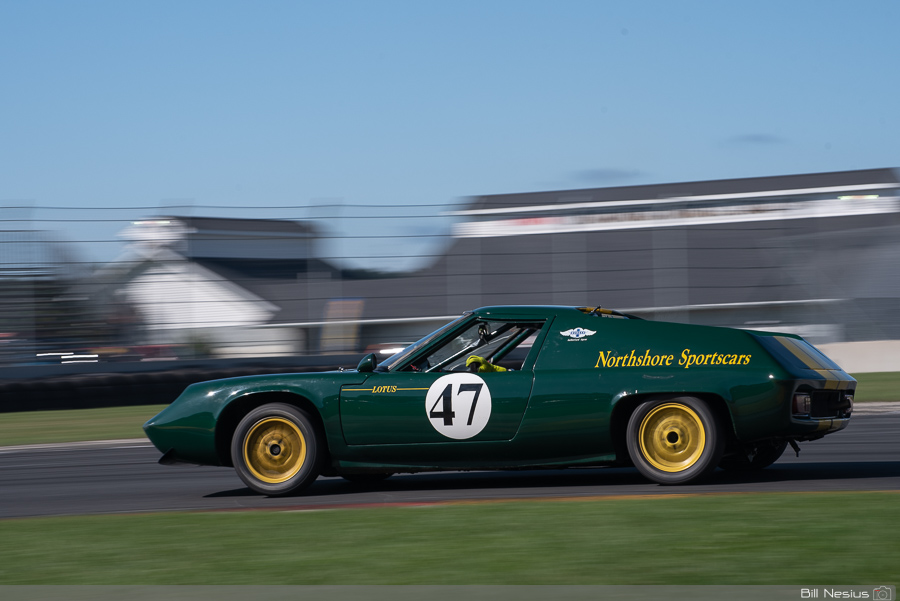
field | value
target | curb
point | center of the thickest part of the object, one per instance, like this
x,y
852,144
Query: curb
x,y
876,408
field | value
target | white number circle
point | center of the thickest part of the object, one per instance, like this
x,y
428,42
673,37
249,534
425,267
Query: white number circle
x,y
458,405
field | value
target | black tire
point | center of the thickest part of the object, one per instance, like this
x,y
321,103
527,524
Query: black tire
x,y
750,458
369,478
277,449
675,441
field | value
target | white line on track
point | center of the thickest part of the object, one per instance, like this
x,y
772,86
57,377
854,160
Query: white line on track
x,y
122,443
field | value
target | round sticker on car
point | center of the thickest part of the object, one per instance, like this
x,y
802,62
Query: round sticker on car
x,y
458,405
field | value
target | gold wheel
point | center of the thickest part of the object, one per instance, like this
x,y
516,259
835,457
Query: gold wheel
x,y
672,437
274,450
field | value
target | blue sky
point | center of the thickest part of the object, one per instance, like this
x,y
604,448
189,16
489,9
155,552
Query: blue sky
x,y
137,106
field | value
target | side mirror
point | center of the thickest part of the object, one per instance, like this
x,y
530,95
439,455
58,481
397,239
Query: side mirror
x,y
367,364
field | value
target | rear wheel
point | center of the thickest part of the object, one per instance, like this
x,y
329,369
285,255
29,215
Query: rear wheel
x,y
275,449
754,457
675,441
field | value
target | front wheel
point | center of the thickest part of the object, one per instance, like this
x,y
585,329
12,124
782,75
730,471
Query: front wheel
x,y
275,449
675,441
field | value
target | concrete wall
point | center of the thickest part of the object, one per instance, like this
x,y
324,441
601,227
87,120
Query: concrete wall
x,y
864,357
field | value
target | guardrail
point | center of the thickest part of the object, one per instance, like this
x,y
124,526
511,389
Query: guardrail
x,y
87,386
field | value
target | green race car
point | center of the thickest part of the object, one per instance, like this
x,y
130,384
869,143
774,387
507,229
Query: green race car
x,y
521,387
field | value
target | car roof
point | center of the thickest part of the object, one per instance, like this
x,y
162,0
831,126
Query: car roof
x,y
536,311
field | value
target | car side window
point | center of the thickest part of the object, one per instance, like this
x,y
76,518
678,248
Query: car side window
x,y
496,346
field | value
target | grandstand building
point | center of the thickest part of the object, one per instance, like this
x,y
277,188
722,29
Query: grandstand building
x,y
816,254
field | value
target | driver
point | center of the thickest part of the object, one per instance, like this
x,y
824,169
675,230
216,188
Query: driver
x,y
479,364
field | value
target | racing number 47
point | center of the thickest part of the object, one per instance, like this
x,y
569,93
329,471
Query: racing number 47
x,y
446,413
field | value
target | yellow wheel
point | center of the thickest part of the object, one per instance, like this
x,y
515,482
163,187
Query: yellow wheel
x,y
675,441
275,449
672,437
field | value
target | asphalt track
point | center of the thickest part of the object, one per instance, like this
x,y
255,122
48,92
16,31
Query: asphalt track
x,y
124,477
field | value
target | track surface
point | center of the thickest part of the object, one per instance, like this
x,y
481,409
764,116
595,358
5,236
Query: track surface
x,y
75,480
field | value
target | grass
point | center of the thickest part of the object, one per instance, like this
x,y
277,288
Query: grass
x,y
704,539
112,423
125,422
880,386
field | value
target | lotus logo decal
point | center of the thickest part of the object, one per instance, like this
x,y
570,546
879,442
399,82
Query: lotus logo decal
x,y
578,333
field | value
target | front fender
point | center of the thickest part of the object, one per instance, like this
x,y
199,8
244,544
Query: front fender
x,y
186,429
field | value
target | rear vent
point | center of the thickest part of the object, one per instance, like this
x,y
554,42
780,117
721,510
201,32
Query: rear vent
x,y
829,403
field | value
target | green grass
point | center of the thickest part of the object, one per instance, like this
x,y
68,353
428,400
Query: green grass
x,y
706,539
879,386
31,427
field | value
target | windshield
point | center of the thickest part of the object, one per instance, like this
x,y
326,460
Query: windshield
x,y
387,363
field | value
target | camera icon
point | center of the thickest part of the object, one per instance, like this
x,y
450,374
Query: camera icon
x,y
882,593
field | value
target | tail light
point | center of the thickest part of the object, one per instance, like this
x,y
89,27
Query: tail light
x,y
802,403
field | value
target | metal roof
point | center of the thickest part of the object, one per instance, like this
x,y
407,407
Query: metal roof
x,y
206,225
787,185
